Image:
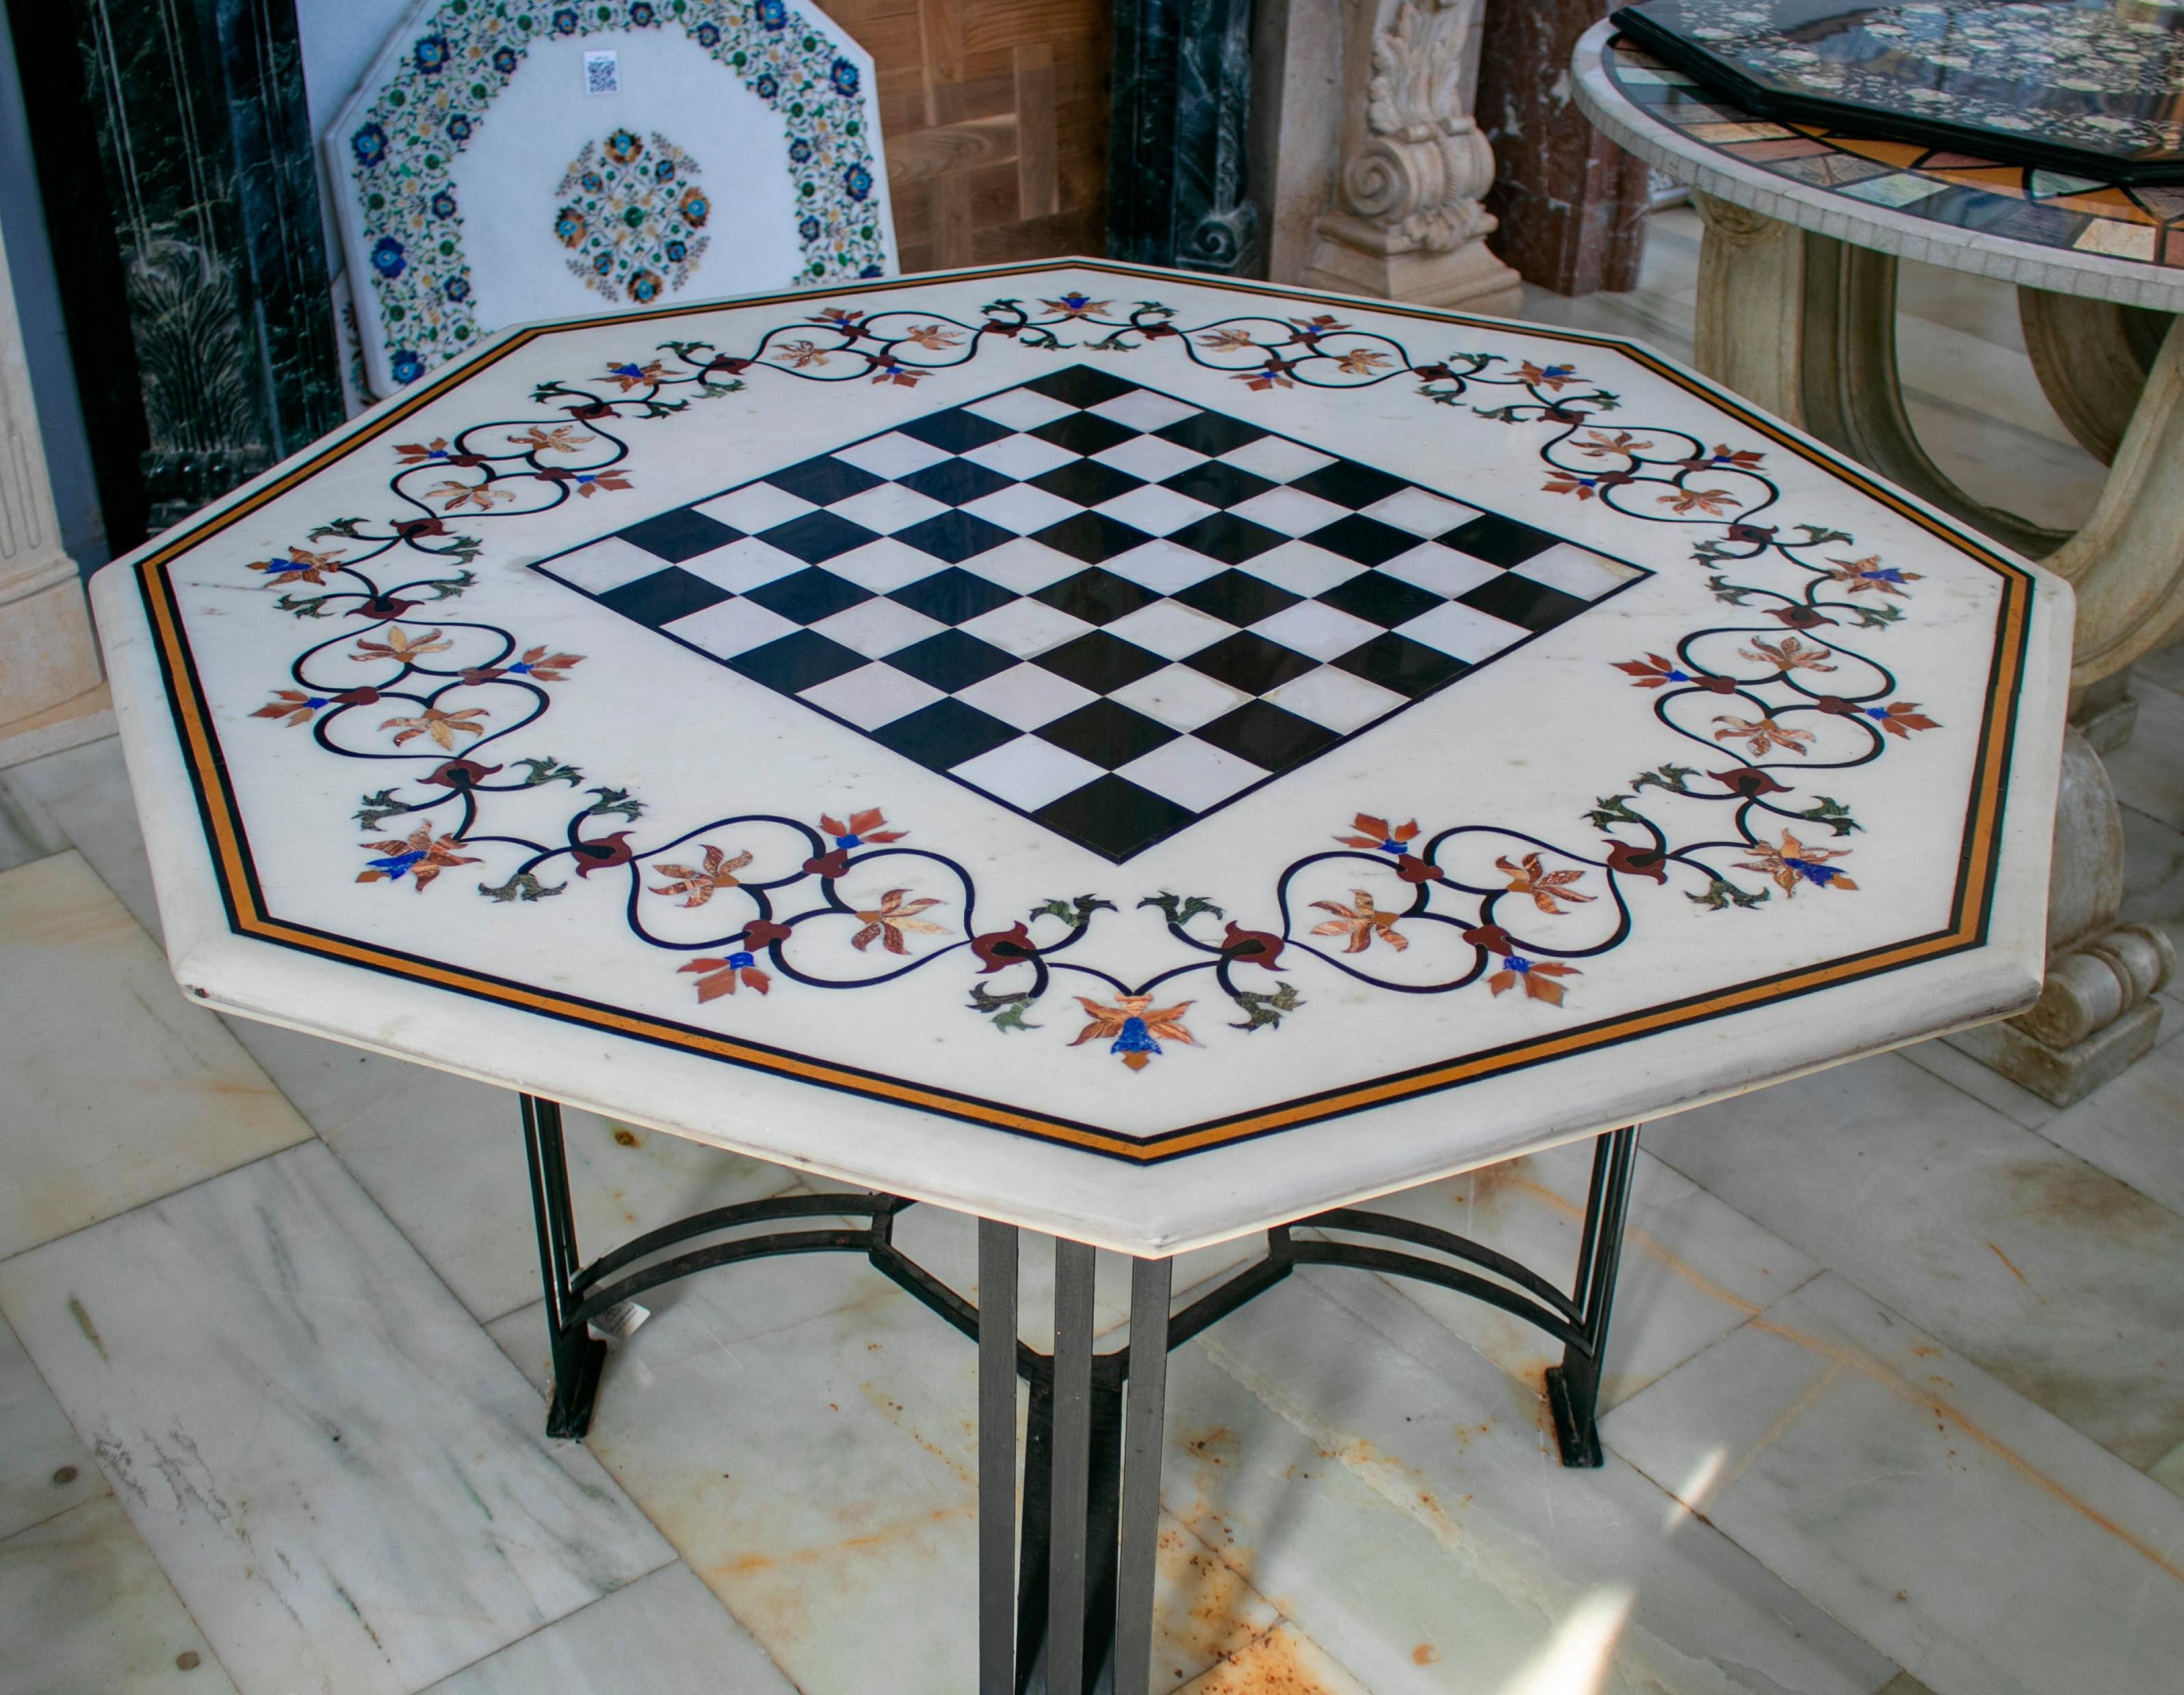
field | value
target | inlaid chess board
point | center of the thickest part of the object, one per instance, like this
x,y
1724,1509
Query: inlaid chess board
x,y
1108,609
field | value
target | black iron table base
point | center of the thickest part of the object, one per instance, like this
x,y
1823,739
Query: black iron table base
x,y
1083,1548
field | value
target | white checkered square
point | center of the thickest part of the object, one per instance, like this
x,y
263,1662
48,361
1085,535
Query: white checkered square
x,y
1172,630
1180,697
1575,570
606,565
760,506
1028,773
1024,565
743,565
1331,697
888,507
1155,510
1165,567
1145,410
1303,568
1316,630
1025,627
892,455
1020,409
1150,457
1462,632
1420,513
881,566
1290,511
1021,457
1191,773
871,695
1440,571
877,626
1023,509
731,627
1276,459
1026,696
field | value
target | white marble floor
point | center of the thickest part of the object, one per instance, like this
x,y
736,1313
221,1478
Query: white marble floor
x,y
1896,1393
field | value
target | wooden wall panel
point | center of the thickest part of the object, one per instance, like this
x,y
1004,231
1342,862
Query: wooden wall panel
x,y
994,117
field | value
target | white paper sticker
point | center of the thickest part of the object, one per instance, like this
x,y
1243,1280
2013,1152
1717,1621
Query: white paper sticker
x,y
619,1322
603,72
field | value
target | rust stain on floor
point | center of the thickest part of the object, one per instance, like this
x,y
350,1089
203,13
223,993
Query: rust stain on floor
x,y
1267,1665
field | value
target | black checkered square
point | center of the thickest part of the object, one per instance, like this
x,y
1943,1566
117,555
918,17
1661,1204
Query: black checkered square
x,y
1321,623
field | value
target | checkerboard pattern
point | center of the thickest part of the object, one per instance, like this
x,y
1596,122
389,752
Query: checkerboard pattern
x,y
1108,609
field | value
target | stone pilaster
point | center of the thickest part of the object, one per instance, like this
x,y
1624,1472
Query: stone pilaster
x,y
1406,222
47,658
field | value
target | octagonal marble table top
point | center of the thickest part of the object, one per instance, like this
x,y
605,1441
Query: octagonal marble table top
x,y
1139,755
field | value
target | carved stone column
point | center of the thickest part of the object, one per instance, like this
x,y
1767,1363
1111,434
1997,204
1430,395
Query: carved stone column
x,y
49,669
1406,222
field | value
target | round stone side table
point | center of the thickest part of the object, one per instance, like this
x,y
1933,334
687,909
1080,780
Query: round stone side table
x,y
1796,310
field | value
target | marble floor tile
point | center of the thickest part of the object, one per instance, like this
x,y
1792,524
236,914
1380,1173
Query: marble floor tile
x,y
85,1610
2148,769
444,1157
1988,1087
119,1090
1980,1542
342,1476
83,794
2169,1471
26,833
1282,1662
2153,879
45,1469
1397,1500
664,1634
805,1434
1693,1270
2054,1276
2133,1128
2163,665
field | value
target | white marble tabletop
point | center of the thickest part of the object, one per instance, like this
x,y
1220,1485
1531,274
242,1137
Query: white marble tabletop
x,y
2044,229
1140,756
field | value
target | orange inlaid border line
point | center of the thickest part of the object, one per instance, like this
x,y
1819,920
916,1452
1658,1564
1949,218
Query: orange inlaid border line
x,y
248,914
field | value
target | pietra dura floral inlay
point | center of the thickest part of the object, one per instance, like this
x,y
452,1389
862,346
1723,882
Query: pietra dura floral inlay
x,y
402,152
632,216
2076,84
1113,572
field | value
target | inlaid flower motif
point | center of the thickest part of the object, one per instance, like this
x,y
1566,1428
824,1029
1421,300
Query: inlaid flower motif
x,y
1552,378
1793,863
434,451
1363,923
421,856
1762,734
587,483
1226,339
550,438
1379,837
635,376
453,495
400,646
294,706
1789,654
1655,671
1900,717
1546,888
888,922
1713,502
863,830
932,337
700,884
718,977
537,664
442,726
1360,361
1724,457
886,367
1538,977
1275,373
1134,1027
1869,576
1310,329
799,355
1598,444
1075,305
299,566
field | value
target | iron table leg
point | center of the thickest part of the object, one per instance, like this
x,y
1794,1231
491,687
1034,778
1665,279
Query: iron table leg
x,y
1151,1282
577,1354
997,1456
1574,1386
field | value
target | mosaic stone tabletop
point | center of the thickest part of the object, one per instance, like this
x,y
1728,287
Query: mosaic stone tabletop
x,y
2142,227
2074,85
1141,755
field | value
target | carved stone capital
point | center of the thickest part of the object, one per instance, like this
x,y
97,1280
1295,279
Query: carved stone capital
x,y
1406,221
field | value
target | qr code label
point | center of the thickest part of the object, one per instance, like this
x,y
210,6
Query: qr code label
x,y
602,72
